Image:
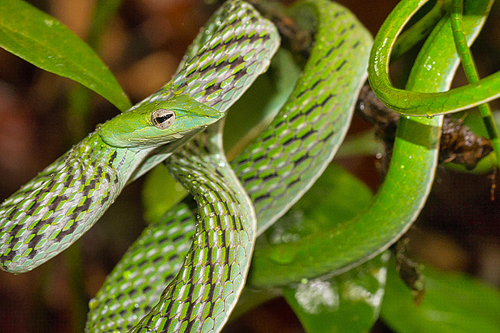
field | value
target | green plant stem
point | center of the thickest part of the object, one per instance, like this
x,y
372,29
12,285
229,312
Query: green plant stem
x,y
471,73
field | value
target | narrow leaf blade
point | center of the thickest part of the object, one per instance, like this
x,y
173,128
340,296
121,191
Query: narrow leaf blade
x,y
452,303
349,302
46,43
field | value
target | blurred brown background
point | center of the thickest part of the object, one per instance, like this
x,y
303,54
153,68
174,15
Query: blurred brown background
x,y
459,228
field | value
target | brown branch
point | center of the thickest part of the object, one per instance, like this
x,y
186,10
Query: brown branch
x,y
458,143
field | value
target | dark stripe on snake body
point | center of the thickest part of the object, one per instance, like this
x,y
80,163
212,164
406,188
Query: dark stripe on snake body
x,y
142,263
68,181
34,205
37,199
144,291
231,219
234,224
57,201
293,182
175,239
301,159
292,119
287,142
10,255
330,51
112,159
273,175
155,260
308,134
211,296
191,291
252,178
328,136
339,67
11,214
261,198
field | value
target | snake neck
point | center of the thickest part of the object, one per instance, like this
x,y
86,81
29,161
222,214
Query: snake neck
x,y
62,202
93,156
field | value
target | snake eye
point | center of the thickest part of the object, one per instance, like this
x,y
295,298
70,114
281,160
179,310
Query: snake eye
x,y
162,118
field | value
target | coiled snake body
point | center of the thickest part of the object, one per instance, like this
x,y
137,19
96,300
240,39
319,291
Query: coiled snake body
x,y
205,267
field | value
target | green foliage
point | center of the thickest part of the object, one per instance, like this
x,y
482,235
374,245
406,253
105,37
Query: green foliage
x,y
349,302
43,41
452,303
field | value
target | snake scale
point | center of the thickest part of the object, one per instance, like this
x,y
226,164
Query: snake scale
x,y
201,251
318,103
50,212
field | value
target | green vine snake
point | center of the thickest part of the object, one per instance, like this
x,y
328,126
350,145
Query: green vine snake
x,y
201,251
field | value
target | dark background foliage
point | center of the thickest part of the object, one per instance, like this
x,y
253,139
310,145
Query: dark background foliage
x,y
458,230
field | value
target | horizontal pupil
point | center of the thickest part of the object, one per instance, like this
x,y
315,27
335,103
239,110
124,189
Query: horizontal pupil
x,y
164,118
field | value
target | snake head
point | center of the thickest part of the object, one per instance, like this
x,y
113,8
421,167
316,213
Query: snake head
x,y
156,123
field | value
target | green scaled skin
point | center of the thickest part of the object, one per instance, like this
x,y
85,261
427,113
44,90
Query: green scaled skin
x,y
209,282
54,209
275,171
137,129
233,48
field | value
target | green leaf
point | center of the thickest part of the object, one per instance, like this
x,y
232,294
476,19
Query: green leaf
x,y
349,302
160,193
362,144
452,303
46,43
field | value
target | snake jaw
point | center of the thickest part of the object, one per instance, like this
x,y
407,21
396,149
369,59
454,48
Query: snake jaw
x,y
148,126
